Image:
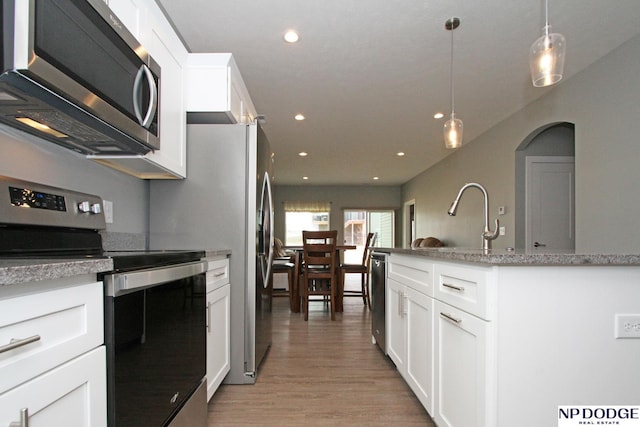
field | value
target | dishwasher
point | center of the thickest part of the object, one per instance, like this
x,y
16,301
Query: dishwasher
x,y
378,289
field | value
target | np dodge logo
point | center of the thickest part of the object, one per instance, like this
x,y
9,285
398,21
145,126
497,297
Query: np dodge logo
x,y
624,416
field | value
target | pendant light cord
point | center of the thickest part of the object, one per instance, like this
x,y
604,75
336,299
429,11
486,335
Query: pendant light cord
x,y
546,17
451,71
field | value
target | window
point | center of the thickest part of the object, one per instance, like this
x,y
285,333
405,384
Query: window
x,y
359,222
299,216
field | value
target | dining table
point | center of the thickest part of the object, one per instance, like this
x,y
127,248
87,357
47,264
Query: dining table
x,y
294,291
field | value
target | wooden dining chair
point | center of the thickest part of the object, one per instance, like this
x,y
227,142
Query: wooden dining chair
x,y
283,262
362,269
319,270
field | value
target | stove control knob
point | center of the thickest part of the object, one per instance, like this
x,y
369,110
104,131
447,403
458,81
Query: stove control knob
x,y
84,207
96,208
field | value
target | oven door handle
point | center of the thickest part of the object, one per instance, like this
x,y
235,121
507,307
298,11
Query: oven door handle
x,y
124,283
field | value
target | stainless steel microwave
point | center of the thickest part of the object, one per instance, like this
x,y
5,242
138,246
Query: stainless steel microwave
x,y
74,75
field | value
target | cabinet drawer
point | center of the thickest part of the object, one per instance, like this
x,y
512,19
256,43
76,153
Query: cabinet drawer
x,y
217,273
468,288
412,271
67,321
71,395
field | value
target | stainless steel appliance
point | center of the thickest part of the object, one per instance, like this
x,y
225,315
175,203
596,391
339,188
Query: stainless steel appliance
x,y
225,203
97,94
155,332
378,289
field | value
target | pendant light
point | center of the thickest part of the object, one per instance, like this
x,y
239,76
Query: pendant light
x,y
453,127
546,56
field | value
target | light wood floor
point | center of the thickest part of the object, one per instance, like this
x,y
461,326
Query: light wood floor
x,y
320,373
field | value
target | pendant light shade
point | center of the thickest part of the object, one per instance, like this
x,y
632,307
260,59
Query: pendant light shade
x,y
453,127
546,56
453,132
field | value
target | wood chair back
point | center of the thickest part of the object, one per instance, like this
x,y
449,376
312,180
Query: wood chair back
x,y
319,267
366,255
362,269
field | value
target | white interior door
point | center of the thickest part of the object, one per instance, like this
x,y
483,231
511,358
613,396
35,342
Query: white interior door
x,y
409,223
550,203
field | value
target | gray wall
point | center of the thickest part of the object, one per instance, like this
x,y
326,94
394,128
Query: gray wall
x,y
32,159
341,197
603,103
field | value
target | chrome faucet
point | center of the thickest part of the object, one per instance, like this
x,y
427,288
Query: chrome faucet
x,y
487,234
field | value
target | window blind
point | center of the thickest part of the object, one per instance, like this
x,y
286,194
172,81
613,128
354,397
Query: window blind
x,y
302,206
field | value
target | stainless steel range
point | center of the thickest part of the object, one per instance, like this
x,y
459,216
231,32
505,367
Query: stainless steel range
x,y
155,331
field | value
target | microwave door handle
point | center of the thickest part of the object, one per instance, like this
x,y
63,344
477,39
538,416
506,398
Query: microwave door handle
x,y
143,72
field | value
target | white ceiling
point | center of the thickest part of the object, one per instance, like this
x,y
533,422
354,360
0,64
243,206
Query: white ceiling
x,y
370,74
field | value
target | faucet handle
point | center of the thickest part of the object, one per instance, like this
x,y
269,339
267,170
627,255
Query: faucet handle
x,y
492,235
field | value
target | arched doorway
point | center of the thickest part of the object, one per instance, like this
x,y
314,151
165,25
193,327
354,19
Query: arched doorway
x,y
544,189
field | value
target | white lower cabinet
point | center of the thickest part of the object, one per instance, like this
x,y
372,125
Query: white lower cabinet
x,y
410,334
419,357
218,337
442,351
462,368
218,323
396,335
52,357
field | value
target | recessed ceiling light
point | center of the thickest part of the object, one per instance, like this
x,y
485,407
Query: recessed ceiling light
x,y
303,154
375,178
299,117
291,36
305,177
400,153
438,115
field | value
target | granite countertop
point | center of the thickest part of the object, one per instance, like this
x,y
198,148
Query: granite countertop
x,y
518,257
212,253
14,271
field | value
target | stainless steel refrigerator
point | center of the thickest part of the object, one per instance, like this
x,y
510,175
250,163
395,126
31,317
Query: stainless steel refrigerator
x,y
225,203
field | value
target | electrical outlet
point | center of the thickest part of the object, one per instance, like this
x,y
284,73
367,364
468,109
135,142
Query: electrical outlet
x,y
108,211
503,231
627,326
501,210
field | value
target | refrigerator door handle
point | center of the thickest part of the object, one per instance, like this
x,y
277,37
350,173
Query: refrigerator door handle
x,y
266,210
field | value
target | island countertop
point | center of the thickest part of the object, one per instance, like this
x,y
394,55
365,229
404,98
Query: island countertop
x,y
517,257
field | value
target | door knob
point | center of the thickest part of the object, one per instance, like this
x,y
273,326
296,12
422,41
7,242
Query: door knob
x,y
539,245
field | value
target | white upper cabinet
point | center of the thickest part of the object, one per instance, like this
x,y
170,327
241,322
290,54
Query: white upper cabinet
x,y
215,91
145,20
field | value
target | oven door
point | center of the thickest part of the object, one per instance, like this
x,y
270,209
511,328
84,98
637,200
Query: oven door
x,y
155,335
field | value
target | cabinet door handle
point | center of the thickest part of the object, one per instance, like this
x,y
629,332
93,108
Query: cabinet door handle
x,y
405,305
15,343
451,318
24,419
454,287
209,317
400,303
219,274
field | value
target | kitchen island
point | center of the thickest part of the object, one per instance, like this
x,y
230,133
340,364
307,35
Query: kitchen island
x,y
503,338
